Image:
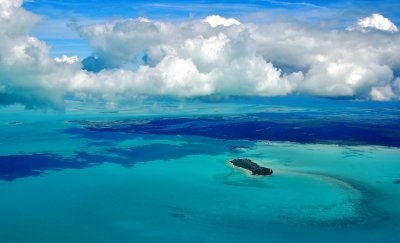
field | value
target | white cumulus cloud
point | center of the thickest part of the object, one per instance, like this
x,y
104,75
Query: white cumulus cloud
x,y
250,59
67,59
216,20
375,21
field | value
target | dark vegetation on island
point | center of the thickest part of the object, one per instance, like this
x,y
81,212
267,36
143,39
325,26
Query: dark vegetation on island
x,y
254,168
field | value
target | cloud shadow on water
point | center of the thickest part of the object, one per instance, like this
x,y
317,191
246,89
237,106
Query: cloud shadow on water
x,y
19,166
294,127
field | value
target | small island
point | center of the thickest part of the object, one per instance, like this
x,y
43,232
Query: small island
x,y
254,168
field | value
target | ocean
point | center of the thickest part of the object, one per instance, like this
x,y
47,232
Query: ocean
x,y
160,172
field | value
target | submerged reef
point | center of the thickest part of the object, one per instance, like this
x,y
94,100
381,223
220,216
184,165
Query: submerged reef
x,y
299,127
254,168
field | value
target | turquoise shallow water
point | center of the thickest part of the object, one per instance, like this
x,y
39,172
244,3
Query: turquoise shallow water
x,y
175,188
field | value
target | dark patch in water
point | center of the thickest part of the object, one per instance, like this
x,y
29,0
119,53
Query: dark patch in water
x,y
14,123
294,127
352,152
396,181
178,215
18,166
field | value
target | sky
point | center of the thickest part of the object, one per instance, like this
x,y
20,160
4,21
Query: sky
x,y
121,51
53,28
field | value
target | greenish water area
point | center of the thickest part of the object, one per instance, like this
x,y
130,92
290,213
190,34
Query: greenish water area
x,y
122,177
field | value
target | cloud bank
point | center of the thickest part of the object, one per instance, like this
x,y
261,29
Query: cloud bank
x,y
210,56
27,74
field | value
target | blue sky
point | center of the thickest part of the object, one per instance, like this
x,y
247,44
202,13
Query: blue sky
x,y
57,14
186,9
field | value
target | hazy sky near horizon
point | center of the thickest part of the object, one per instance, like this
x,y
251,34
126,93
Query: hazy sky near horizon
x,y
117,51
